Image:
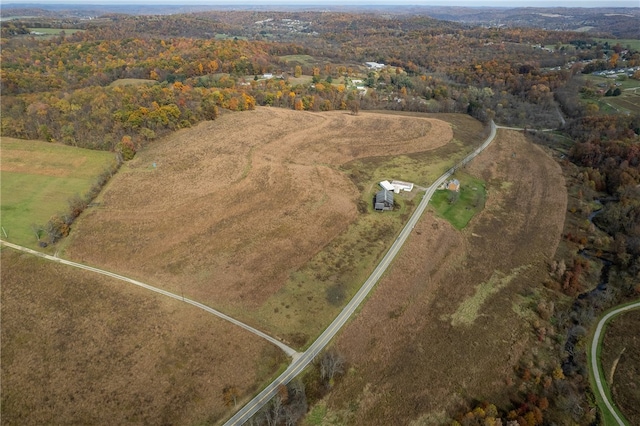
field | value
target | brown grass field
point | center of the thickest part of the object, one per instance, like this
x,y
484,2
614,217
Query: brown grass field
x,y
621,356
81,348
233,207
451,319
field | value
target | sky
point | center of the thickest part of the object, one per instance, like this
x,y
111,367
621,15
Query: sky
x,y
495,3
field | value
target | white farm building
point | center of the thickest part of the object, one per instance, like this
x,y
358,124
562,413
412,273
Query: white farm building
x,y
399,185
385,184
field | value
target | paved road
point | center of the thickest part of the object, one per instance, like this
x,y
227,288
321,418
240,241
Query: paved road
x,y
298,364
289,351
595,362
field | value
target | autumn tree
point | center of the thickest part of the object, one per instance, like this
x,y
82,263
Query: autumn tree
x,y
230,395
126,148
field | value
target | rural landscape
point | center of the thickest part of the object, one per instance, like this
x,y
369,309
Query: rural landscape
x,y
319,215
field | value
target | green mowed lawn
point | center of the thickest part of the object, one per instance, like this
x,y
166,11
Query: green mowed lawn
x,y
459,208
36,180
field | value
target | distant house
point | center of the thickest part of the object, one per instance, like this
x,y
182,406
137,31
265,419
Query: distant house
x,y
384,200
453,185
267,75
399,185
374,65
385,184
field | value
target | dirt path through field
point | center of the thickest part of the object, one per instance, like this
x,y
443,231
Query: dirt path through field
x,y
429,339
233,206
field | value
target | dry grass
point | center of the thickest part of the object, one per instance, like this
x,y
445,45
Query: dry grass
x,y
234,207
79,348
408,361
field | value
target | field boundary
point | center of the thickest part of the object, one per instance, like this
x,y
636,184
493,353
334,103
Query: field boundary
x,y
289,351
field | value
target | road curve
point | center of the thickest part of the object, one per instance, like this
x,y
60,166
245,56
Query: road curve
x,y
299,363
595,364
289,351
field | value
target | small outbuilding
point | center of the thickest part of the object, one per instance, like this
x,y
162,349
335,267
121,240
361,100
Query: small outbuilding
x,y
385,184
384,200
453,185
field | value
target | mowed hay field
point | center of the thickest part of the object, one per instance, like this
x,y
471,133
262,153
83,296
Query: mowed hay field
x,y
37,180
81,348
451,319
233,207
620,359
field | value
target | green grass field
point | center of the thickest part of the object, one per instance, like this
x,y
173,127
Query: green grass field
x,y
626,43
37,179
459,210
52,32
301,59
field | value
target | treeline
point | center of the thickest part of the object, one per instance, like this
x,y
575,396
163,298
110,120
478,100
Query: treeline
x,y
85,59
608,149
99,117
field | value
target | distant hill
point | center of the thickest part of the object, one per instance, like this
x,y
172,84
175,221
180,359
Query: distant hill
x,y
619,22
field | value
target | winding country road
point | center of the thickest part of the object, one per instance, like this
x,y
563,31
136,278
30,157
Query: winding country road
x,y
299,363
595,362
289,351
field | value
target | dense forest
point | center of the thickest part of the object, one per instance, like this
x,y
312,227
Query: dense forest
x,y
70,88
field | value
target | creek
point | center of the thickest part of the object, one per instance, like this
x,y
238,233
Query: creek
x,y
584,307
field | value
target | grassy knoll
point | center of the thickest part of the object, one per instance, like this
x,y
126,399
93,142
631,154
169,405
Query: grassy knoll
x,y
458,208
37,180
234,221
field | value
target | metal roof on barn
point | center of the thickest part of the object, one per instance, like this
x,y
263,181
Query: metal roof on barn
x,y
384,196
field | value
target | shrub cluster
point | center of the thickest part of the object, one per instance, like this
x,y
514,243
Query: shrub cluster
x,y
59,224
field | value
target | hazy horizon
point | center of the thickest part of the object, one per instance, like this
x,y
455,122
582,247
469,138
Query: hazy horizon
x,y
460,3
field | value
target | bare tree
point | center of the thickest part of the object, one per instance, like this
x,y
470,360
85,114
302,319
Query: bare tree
x,y
331,364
